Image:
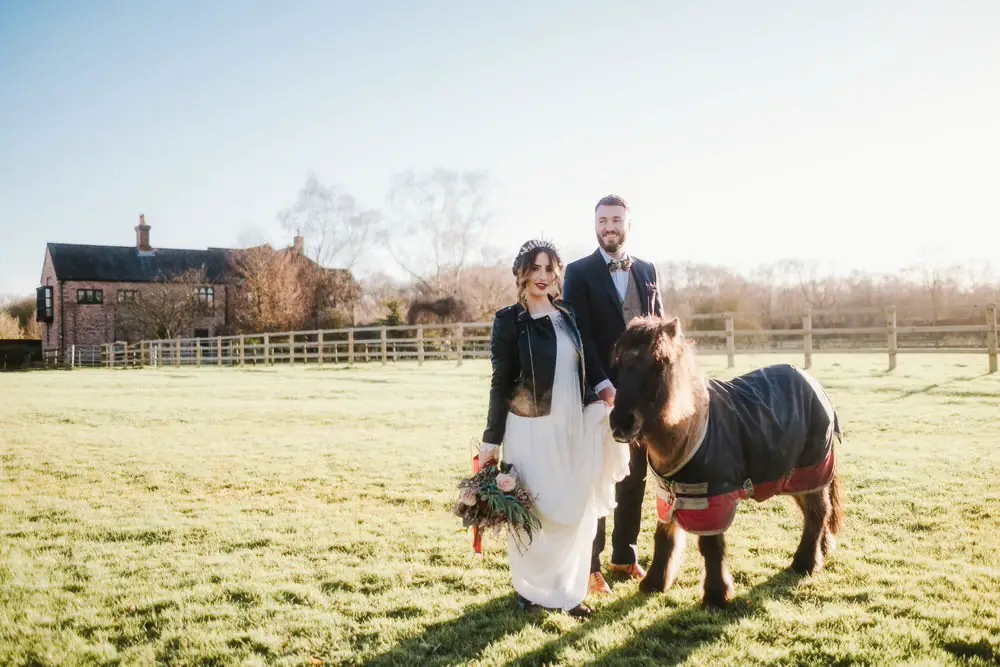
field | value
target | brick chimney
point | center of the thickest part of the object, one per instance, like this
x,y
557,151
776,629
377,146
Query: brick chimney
x,y
299,244
142,235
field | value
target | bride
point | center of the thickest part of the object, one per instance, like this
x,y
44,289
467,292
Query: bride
x,y
554,429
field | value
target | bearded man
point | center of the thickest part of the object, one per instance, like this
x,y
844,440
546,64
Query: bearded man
x,y
607,289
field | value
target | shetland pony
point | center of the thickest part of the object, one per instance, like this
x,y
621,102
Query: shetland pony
x,y
713,443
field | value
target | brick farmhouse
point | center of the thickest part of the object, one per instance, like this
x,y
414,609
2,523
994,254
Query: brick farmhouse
x,y
86,290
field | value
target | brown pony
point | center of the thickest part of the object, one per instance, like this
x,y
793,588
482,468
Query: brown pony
x,y
713,443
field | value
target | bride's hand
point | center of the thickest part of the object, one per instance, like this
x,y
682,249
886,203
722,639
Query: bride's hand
x,y
488,455
608,396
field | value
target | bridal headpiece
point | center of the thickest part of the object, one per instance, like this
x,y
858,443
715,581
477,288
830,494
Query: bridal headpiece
x,y
529,247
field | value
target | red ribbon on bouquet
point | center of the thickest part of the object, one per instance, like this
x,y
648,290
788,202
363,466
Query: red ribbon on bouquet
x,y
477,538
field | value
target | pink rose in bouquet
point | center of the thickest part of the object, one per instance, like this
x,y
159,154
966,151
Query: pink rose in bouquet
x,y
506,482
493,499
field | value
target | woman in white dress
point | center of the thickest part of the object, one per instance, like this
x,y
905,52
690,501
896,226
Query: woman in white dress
x,y
554,429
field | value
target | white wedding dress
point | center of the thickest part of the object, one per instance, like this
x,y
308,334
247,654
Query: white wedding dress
x,y
570,461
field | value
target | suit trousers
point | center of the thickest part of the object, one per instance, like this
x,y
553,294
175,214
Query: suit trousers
x,y
629,493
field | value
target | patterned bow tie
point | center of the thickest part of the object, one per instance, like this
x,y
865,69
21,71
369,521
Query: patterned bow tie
x,y
620,264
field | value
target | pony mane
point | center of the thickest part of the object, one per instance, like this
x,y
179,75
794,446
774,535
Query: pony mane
x,y
662,342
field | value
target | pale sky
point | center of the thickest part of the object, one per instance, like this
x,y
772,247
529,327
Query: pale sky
x,y
735,129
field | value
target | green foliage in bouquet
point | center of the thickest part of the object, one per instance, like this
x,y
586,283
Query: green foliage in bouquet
x,y
493,499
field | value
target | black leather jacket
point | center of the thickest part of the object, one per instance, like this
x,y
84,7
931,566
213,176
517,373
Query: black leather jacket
x,y
523,352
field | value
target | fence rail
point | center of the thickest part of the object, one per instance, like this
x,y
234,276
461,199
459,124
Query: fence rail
x,y
459,342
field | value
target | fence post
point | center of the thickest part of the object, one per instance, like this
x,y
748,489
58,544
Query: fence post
x,y
267,349
420,345
385,346
807,336
730,342
319,343
218,350
991,335
197,352
890,332
459,346
350,346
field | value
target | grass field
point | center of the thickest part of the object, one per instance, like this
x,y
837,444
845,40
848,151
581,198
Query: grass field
x,y
299,516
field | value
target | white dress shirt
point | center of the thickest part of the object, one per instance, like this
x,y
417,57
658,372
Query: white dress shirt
x,y
620,278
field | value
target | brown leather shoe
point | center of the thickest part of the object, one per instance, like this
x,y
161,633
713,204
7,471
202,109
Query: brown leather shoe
x,y
597,585
633,571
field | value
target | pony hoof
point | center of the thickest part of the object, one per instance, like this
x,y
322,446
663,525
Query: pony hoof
x,y
806,566
717,600
650,585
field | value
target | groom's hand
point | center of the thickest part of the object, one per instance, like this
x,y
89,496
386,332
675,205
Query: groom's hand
x,y
608,396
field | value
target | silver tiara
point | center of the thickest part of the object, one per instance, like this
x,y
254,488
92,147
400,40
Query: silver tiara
x,y
534,244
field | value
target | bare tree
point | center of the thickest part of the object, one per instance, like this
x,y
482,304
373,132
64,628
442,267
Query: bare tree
x,y
335,228
818,291
939,281
268,295
280,290
485,289
332,295
252,236
169,307
437,226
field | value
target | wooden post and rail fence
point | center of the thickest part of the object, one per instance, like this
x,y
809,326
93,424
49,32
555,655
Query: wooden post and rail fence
x,y
458,342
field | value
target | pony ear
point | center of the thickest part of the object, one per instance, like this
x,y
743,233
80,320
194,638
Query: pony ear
x,y
672,328
665,339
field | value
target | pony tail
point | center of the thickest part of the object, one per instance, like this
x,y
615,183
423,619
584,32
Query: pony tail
x,y
835,521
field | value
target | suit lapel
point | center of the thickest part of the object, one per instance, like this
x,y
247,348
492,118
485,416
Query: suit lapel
x,y
604,278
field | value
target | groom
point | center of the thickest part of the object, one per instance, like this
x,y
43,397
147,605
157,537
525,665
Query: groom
x,y
606,290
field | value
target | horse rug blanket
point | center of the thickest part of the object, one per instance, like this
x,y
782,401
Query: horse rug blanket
x,y
769,432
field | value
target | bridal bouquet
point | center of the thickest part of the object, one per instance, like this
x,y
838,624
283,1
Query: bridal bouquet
x,y
494,498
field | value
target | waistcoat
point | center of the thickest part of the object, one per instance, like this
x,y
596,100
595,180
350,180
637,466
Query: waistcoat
x,y
631,307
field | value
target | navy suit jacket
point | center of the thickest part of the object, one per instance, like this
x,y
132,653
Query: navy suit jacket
x,y
590,290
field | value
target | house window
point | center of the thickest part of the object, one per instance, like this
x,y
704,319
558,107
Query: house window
x,y
89,296
128,295
206,295
44,311
201,333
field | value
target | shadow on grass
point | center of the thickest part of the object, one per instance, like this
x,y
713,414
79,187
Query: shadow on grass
x,y
937,385
672,639
461,639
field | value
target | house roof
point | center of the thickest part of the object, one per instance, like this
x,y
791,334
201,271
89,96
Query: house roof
x,y
125,264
